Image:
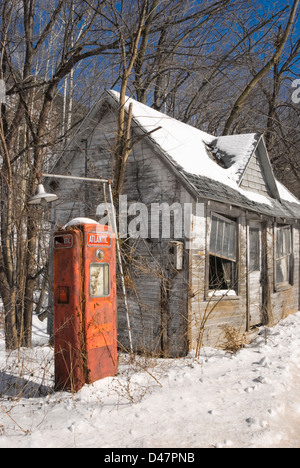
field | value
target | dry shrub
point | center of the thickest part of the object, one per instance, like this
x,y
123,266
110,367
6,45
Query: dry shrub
x,y
234,340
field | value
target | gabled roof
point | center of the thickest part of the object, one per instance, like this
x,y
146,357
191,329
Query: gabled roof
x,y
185,146
212,166
235,151
218,177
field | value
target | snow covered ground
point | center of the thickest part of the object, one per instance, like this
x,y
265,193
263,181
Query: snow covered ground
x,y
251,399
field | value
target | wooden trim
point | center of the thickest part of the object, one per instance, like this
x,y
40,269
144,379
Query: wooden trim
x,y
291,282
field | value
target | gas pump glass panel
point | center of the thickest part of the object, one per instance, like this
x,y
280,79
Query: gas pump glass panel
x,y
99,280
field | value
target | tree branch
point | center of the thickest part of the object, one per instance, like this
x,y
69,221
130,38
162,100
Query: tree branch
x,y
244,95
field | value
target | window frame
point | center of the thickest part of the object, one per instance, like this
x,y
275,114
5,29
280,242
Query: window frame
x,y
256,264
230,293
282,285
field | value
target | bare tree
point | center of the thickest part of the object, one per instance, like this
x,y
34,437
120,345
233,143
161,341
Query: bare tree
x,y
70,32
282,39
123,143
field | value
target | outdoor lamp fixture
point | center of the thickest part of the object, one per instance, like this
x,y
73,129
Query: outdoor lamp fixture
x,y
41,197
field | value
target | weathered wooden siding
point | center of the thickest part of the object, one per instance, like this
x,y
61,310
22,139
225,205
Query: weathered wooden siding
x,y
157,294
170,311
210,315
159,300
89,156
253,179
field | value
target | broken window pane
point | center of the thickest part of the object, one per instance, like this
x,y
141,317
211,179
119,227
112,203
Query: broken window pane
x,y
213,234
222,274
223,238
220,238
222,259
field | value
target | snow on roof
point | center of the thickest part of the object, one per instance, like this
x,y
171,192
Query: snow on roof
x,y
187,146
235,151
285,194
184,144
196,153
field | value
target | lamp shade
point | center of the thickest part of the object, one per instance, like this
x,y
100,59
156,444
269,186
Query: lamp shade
x,y
41,197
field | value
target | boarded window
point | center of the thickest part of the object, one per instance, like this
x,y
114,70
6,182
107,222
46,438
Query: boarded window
x,y
99,280
284,255
222,254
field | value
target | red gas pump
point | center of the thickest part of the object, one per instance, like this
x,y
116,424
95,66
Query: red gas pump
x,y
85,318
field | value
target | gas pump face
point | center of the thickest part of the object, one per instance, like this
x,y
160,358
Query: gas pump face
x,y
85,330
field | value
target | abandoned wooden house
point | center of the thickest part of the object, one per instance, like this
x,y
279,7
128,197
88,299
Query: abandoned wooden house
x,y
233,259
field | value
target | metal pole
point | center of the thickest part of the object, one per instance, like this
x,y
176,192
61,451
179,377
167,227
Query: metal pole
x,y
89,179
120,266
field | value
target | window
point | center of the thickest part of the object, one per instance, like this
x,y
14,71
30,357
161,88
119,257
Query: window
x,y
254,250
284,256
99,280
222,254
